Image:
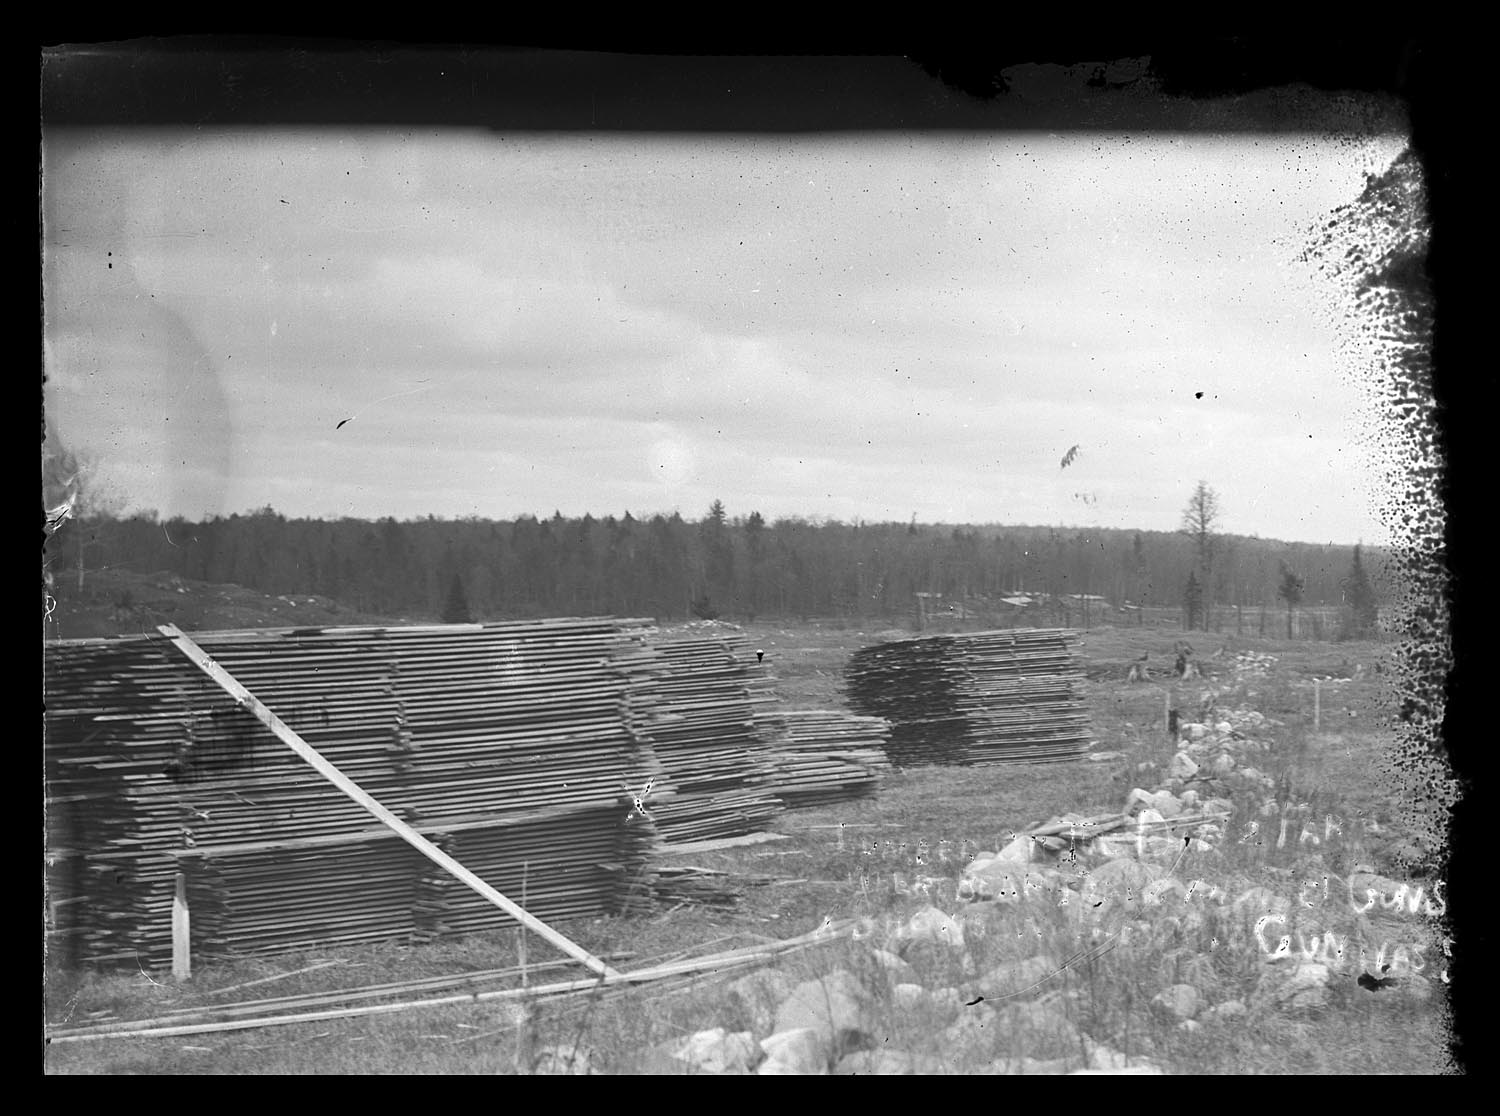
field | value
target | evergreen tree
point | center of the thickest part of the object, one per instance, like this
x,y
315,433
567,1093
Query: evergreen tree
x,y
1359,601
1290,590
456,607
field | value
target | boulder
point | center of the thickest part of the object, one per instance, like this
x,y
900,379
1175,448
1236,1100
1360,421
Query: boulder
x,y
715,1052
974,1035
1194,731
931,925
1182,766
911,997
1219,1013
1293,986
1040,1031
1020,850
837,1008
796,1053
1165,890
893,966
1015,977
564,1060
1163,804
1180,1001
756,996
886,1063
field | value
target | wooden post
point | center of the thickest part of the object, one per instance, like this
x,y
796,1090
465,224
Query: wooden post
x,y
251,704
182,960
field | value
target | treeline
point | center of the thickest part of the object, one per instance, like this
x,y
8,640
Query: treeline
x,y
673,568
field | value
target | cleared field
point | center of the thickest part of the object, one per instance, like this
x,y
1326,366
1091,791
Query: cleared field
x,y
881,859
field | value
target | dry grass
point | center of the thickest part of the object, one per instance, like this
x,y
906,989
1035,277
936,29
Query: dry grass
x,y
892,855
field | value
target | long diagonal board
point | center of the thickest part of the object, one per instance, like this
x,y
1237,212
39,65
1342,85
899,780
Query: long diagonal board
x,y
307,752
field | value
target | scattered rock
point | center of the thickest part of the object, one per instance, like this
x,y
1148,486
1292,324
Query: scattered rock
x,y
836,1007
719,1052
890,963
886,1063
1182,766
973,1034
562,1061
1294,986
911,997
757,995
1019,851
931,925
1041,1030
1015,977
1229,1009
1180,1001
1167,804
1140,1070
797,1053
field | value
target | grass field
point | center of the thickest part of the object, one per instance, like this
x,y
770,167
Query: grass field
x,y
880,859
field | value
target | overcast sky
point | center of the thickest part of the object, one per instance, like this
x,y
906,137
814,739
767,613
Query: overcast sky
x,y
855,326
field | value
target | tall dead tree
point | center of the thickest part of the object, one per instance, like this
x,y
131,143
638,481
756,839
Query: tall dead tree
x,y
1200,521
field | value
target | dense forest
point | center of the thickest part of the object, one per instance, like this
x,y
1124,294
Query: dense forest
x,y
739,567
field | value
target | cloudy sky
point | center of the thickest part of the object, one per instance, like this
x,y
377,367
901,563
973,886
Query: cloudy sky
x,y
452,322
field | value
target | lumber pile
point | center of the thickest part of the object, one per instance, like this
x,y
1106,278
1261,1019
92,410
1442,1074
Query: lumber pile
x,y
514,747
824,755
1014,696
701,701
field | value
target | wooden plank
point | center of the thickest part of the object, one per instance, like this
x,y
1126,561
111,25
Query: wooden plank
x,y
721,843
717,963
313,757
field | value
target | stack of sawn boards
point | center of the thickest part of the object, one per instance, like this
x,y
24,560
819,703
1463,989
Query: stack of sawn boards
x,y
1013,696
518,749
824,755
704,702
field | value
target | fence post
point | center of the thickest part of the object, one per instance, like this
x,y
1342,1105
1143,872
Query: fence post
x,y
182,961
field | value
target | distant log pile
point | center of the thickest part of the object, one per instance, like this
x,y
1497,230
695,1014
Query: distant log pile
x,y
825,756
1011,696
522,750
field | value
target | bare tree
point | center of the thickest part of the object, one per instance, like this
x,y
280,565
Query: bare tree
x,y
1200,521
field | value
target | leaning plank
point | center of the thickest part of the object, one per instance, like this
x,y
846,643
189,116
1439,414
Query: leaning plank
x,y
254,706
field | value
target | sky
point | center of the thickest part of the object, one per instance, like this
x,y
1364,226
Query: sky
x,y
404,322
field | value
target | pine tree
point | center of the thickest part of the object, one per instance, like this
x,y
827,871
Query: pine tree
x,y
1359,600
1290,590
456,607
